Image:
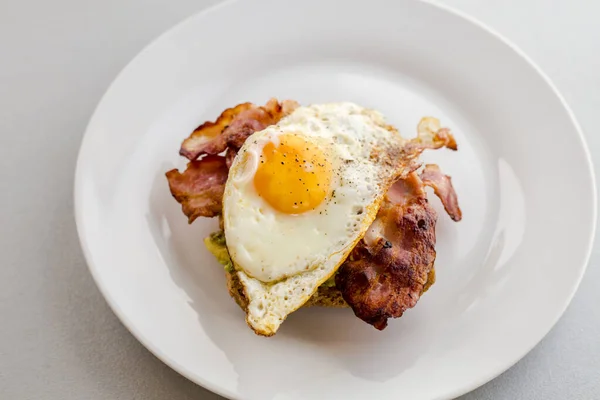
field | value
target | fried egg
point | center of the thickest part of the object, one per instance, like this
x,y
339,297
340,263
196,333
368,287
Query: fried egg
x,y
300,194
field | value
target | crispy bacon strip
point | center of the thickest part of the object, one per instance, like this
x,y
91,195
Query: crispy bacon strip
x,y
388,270
207,137
430,136
433,177
393,265
199,189
233,126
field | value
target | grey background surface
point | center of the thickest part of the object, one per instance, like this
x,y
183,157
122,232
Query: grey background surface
x,y
58,338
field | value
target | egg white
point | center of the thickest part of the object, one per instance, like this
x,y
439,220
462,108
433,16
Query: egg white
x,y
282,259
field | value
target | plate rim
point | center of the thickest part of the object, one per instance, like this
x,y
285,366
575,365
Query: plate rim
x,y
224,392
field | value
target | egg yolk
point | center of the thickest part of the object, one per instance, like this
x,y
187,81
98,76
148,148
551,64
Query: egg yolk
x,y
293,176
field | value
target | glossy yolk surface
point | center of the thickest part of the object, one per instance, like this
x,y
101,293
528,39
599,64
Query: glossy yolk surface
x,y
293,176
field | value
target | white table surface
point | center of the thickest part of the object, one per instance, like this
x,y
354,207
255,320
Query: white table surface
x,y
58,338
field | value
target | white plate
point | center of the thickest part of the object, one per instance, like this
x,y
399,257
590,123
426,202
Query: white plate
x,y
505,273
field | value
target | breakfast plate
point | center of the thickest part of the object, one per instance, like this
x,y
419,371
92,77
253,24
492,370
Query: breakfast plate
x,y
505,273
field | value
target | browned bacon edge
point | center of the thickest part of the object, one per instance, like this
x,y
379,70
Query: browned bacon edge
x,y
442,186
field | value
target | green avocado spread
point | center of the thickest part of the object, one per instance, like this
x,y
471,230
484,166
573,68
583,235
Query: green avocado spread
x,y
215,243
